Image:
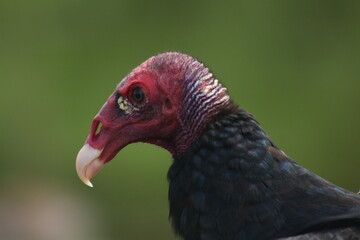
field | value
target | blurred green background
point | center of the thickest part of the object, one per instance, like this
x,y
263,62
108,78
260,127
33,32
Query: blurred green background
x,y
294,64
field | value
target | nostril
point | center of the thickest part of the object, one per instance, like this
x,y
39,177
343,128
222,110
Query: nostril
x,y
98,130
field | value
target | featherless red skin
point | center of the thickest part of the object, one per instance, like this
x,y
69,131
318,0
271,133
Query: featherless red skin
x,y
152,125
159,119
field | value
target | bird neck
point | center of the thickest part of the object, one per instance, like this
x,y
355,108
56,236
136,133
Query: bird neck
x,y
224,167
232,137
203,98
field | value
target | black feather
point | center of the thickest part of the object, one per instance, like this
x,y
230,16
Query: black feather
x,y
234,183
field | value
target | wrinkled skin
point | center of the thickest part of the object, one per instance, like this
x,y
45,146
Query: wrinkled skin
x,y
228,179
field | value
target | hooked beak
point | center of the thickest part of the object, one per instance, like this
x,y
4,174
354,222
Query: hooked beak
x,y
102,144
88,164
110,132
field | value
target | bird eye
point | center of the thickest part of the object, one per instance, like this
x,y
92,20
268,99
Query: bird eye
x,y
138,95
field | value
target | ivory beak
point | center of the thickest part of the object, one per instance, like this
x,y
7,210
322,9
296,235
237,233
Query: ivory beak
x,y
88,164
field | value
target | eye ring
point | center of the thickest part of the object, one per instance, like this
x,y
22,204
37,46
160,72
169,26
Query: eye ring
x,y
138,95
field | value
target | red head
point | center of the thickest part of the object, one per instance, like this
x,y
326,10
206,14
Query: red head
x,y
166,101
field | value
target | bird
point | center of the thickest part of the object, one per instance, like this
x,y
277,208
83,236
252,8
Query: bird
x,y
228,179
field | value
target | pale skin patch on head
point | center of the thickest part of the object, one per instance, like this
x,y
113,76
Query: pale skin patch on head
x,y
126,106
211,86
206,77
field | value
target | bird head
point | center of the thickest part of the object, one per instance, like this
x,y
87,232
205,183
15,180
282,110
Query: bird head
x,y
165,101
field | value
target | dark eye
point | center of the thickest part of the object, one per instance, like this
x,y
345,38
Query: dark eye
x,y
138,95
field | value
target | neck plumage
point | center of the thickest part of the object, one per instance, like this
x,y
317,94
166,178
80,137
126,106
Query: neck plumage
x,y
207,181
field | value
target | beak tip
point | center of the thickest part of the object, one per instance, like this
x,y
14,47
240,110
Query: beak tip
x,y
87,164
88,183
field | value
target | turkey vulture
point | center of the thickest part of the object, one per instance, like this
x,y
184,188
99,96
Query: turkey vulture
x,y
228,179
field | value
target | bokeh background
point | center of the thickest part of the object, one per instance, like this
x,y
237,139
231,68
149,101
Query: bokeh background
x,y
294,64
